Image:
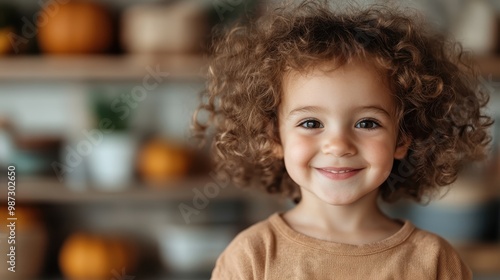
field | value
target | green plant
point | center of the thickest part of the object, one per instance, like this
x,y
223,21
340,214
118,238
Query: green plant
x,y
108,107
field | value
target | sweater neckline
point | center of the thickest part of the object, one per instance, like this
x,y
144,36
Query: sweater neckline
x,y
397,238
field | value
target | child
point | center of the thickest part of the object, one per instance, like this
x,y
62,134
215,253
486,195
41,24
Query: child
x,y
334,110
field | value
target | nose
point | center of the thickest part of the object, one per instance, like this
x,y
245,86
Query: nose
x,y
339,145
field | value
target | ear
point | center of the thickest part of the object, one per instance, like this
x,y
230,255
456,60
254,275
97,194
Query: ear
x,y
278,151
402,147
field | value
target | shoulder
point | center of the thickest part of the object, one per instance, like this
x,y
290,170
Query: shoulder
x,y
439,253
431,242
428,239
240,258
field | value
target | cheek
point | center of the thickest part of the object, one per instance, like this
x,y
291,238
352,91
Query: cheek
x,y
298,151
381,154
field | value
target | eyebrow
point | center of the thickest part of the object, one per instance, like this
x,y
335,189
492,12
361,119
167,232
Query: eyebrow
x,y
316,109
376,109
305,109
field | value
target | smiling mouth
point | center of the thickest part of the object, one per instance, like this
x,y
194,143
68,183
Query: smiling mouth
x,y
339,173
338,169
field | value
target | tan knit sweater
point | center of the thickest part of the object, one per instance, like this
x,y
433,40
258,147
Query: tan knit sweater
x,y
272,250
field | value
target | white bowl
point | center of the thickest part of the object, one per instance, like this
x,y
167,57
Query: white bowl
x,y
193,248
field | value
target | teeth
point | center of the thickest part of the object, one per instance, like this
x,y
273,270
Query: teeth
x,y
337,172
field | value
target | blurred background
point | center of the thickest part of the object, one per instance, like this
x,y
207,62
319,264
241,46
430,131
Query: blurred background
x,y
96,99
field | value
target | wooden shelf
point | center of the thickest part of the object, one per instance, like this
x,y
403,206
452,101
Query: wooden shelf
x,y
43,190
160,276
482,258
489,65
131,67
99,67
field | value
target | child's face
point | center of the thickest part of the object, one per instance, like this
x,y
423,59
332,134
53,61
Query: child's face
x,y
338,119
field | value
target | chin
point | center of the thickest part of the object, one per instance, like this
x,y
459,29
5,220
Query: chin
x,y
338,200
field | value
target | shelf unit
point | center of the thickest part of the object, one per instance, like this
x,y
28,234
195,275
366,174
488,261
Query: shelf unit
x,y
100,67
129,68
489,65
132,67
482,258
51,190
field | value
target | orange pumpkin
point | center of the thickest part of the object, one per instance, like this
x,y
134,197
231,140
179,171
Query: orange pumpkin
x,y
90,256
77,27
161,160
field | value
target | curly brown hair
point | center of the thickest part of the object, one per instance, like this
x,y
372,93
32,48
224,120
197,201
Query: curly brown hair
x,y
434,82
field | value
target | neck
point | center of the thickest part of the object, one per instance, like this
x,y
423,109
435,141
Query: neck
x,y
361,215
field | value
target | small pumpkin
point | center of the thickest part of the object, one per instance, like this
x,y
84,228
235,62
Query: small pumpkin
x,y
161,160
78,27
91,256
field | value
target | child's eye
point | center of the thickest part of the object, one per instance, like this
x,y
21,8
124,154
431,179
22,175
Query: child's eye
x,y
311,124
368,124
